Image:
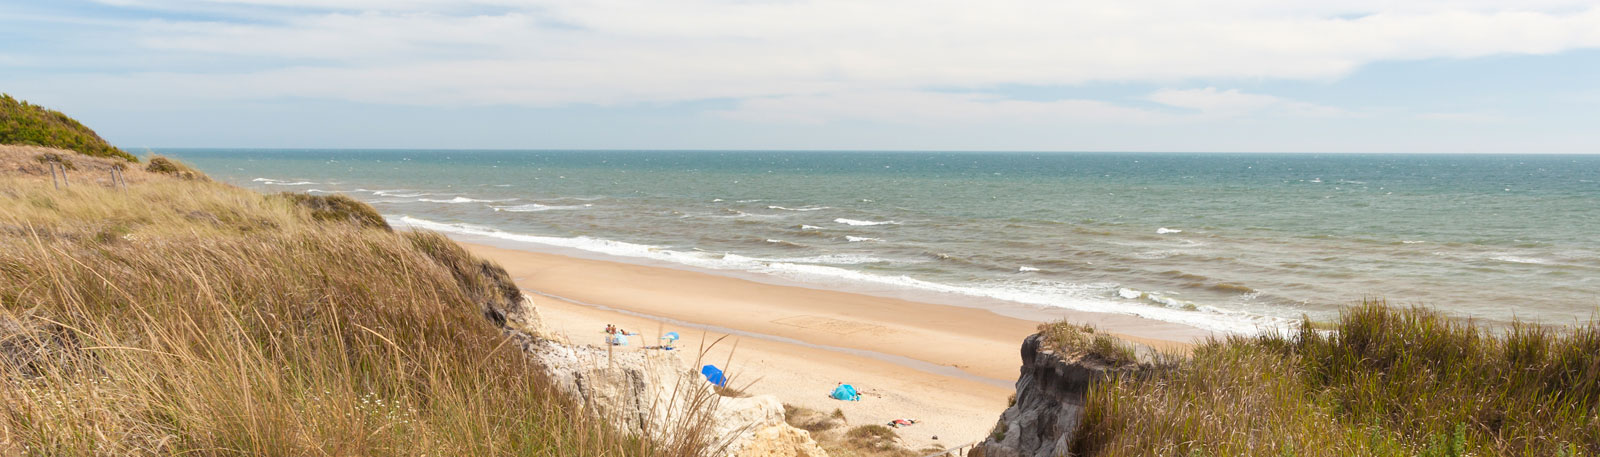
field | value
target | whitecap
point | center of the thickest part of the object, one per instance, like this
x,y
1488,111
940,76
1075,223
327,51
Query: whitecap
x,y
714,200
828,259
809,227
1164,231
263,180
535,207
808,208
1515,259
406,193
1025,269
857,239
1093,297
861,222
296,183
463,200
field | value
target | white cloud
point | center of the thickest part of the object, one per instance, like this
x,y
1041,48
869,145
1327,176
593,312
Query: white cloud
x,y
1464,117
825,56
1211,102
916,107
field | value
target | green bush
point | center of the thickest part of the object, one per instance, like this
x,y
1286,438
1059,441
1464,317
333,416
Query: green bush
x,y
28,124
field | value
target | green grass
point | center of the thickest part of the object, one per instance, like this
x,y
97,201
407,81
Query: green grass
x,y
1383,382
25,123
187,317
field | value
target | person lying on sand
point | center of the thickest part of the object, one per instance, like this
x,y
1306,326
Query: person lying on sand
x,y
897,423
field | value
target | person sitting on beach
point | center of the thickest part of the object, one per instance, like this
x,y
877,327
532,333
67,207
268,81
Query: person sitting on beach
x,y
611,329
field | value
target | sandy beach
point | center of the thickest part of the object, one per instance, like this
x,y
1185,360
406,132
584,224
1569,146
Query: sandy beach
x,y
949,367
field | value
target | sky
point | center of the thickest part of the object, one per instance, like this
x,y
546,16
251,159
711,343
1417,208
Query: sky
x,y
1423,76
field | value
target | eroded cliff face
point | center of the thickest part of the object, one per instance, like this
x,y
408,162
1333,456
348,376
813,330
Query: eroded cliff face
x,y
1049,403
656,394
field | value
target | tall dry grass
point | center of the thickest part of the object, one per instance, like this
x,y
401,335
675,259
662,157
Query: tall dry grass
x,y
1384,382
193,318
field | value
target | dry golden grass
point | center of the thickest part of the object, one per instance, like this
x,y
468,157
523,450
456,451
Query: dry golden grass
x,y
184,317
19,161
1383,382
1085,341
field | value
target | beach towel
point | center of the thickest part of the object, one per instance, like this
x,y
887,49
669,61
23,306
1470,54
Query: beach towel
x,y
713,374
846,392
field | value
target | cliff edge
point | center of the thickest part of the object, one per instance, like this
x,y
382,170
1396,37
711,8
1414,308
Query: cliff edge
x,y
1050,392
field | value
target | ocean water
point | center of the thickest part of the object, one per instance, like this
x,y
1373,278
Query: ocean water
x,y
1226,242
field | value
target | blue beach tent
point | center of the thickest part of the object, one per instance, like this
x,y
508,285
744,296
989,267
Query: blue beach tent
x,y
845,392
713,374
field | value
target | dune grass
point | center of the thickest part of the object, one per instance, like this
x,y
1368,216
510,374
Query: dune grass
x,y
184,317
1383,382
1086,341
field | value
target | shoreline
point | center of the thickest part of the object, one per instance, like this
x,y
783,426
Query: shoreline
x,y
951,367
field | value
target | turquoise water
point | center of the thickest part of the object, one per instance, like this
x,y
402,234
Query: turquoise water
x,y
1229,242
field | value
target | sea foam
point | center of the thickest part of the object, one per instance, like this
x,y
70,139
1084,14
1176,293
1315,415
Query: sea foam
x,y
535,207
861,222
1094,297
463,200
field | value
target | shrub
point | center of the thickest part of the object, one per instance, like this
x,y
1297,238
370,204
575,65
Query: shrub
x,y
166,166
336,208
25,123
50,157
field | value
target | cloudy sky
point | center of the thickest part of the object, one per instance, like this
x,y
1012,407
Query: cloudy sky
x,y
1166,75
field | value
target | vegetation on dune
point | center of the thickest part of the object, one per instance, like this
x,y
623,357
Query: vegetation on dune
x,y
163,165
182,317
337,208
1383,382
1086,341
834,435
29,124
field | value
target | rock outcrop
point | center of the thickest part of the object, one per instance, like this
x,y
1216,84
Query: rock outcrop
x,y
1049,403
655,393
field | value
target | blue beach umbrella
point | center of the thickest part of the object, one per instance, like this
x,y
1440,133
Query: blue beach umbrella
x,y
713,374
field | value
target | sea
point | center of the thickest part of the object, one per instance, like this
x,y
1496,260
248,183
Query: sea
x,y
1228,243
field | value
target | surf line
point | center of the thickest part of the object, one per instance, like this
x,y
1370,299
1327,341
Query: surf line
x,y
919,365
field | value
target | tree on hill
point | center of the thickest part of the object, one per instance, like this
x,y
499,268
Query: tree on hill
x,y
29,124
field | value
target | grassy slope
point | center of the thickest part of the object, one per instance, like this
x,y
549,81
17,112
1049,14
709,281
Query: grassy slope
x,y
1384,382
202,319
29,124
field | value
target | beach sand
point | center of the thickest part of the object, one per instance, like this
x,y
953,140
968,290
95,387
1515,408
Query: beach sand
x,y
950,367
